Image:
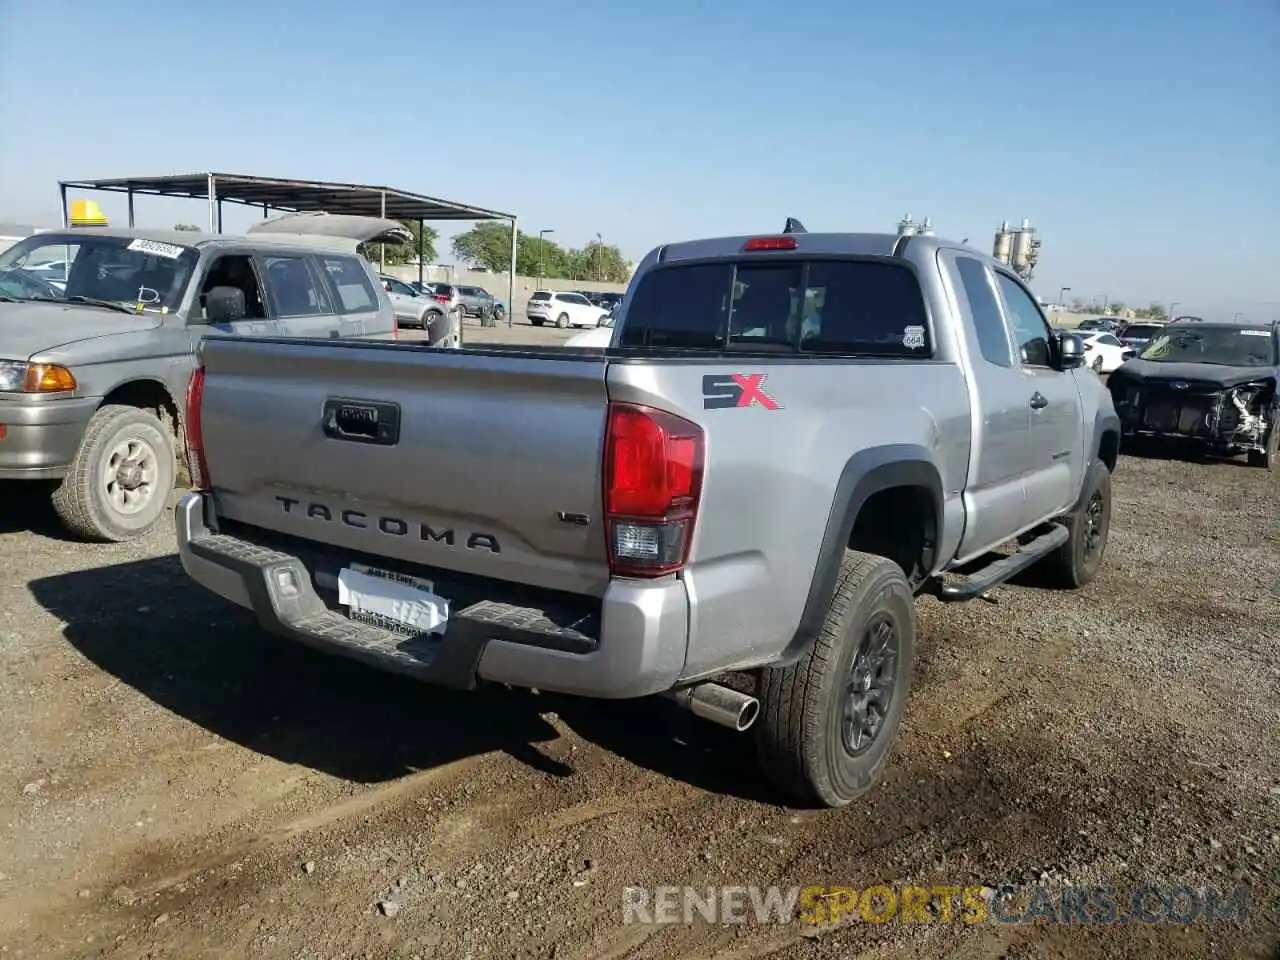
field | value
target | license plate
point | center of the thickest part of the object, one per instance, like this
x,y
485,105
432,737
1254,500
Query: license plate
x,y
391,600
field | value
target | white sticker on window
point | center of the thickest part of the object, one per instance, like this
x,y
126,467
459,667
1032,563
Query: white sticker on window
x,y
913,338
1255,333
156,248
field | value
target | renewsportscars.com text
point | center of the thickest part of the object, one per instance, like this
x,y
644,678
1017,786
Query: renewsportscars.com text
x,y
1010,904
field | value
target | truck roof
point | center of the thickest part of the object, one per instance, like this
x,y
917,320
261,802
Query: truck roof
x,y
850,244
337,232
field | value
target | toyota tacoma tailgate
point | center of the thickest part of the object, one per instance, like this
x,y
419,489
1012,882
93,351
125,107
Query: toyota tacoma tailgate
x,y
484,462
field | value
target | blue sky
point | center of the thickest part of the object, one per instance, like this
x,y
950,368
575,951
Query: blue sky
x,y
1141,138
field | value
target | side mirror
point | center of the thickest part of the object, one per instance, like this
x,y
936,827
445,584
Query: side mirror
x,y
1070,351
224,305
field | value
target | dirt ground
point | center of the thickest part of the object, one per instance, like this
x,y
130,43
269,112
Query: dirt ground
x,y
173,783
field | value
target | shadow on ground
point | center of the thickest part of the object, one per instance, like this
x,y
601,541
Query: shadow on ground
x,y
25,506
209,662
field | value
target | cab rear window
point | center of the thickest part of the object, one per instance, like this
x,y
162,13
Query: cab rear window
x,y
823,306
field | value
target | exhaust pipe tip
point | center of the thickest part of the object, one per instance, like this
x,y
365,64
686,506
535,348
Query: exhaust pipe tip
x,y
719,704
747,715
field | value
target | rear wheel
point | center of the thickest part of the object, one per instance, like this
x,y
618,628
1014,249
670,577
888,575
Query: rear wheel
x,y
118,485
562,321
828,721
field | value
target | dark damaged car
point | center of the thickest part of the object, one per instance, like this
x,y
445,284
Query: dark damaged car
x,y
1210,383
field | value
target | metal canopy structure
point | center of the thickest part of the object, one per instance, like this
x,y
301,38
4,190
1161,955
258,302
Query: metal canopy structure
x,y
297,196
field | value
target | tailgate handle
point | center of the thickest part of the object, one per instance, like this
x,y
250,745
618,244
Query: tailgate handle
x,y
362,421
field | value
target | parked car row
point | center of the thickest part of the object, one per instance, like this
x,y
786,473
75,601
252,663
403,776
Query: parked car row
x,y
417,300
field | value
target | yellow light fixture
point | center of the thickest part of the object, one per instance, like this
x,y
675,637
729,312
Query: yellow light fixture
x,y
86,213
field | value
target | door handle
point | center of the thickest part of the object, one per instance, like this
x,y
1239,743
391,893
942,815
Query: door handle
x,y
1038,401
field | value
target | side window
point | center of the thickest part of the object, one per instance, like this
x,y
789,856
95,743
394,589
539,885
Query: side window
x,y
401,288
1109,340
351,288
236,270
1029,328
993,339
292,288
862,307
577,299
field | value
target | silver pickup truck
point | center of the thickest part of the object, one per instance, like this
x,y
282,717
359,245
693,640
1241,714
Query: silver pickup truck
x,y
92,376
789,437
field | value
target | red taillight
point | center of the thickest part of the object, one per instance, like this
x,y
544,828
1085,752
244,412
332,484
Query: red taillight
x,y
770,243
652,483
195,435
440,297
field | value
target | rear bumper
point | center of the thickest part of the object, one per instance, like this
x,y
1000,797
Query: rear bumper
x,y
634,648
40,438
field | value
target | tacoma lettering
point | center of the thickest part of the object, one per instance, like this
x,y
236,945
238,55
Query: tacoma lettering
x,y
391,526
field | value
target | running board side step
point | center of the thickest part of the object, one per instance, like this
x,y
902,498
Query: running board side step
x,y
980,581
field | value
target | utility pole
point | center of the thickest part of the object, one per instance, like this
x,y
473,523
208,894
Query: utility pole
x,y
542,246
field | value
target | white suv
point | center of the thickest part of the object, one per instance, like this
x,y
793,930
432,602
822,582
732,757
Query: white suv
x,y
563,309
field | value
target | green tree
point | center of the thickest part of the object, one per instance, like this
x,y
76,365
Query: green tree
x,y
488,245
604,262
1156,311
188,227
1116,308
401,253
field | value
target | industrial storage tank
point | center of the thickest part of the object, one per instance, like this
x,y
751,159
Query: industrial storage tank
x,y
1023,245
1003,247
